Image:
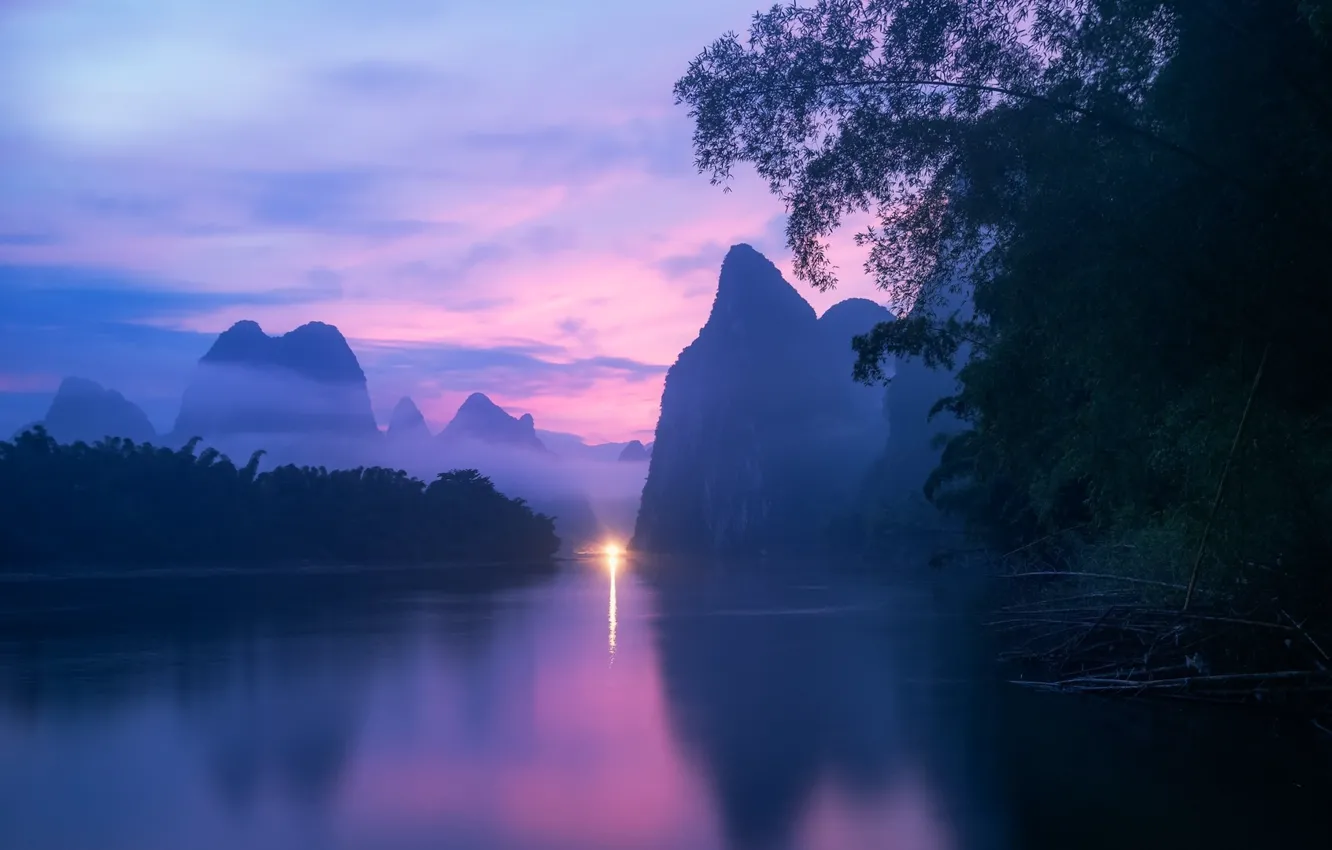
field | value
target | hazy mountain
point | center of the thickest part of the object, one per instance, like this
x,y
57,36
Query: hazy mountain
x,y
913,391
844,321
634,452
481,420
85,410
574,447
305,382
763,434
406,422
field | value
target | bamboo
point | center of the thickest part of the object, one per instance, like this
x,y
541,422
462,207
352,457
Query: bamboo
x,y
1221,485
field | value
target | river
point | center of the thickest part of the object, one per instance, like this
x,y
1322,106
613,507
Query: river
x,y
620,704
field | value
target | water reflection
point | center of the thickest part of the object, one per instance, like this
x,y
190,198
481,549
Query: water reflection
x,y
613,566
764,708
817,708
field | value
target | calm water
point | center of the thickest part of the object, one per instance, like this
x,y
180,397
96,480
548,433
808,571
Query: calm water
x,y
666,706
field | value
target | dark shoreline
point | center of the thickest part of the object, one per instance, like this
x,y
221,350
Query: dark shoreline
x,y
115,572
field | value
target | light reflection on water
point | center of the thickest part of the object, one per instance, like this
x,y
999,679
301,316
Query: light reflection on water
x,y
613,568
740,710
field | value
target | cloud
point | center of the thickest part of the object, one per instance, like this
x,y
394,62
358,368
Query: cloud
x,y
658,147
518,245
707,258
380,78
418,175
141,207
74,297
116,328
459,366
342,202
29,239
475,255
324,282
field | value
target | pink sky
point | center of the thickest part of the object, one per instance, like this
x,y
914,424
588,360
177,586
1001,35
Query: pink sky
x,y
432,178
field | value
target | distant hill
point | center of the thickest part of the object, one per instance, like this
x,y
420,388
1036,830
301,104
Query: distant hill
x,y
574,447
304,382
481,420
85,410
764,436
634,452
406,423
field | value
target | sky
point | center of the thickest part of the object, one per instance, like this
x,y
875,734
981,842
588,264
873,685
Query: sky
x,y
483,196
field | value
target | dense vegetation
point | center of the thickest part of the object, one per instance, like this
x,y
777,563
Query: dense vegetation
x,y
122,502
1138,196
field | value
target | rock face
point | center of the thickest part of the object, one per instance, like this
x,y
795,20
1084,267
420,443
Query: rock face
x,y
85,410
305,382
634,452
481,420
406,424
763,433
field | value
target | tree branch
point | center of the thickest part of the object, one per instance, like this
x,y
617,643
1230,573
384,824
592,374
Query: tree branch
x,y
1112,121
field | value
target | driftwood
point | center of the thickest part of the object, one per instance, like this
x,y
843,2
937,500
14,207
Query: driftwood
x,y
1099,638
1104,576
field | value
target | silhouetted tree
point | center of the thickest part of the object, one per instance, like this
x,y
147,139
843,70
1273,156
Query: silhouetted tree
x,y
1138,193
118,501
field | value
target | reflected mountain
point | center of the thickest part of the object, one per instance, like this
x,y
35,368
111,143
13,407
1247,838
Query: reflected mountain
x,y
268,672
291,725
796,689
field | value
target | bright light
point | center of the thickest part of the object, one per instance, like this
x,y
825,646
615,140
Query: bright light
x,y
612,550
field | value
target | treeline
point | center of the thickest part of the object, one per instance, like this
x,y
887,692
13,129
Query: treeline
x,y
138,504
1138,197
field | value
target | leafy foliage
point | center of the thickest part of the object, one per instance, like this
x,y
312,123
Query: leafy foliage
x,y
1138,195
122,502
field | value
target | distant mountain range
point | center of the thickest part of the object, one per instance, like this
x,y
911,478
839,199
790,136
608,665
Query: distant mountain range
x,y
303,383
574,447
302,397
763,434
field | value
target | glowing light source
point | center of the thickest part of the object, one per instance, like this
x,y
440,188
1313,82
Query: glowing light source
x,y
612,550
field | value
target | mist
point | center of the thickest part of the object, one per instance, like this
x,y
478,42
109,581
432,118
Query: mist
x,y
295,420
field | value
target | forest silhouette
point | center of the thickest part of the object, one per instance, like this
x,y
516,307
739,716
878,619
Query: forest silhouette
x,y
117,501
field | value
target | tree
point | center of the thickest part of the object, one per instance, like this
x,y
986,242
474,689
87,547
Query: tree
x,y
121,502
1135,192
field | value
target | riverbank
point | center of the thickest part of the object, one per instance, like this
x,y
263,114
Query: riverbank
x,y
1130,636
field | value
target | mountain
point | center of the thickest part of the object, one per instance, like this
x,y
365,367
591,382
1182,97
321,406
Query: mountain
x,y
844,321
634,452
482,435
85,410
763,434
913,391
406,423
573,447
481,420
306,382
